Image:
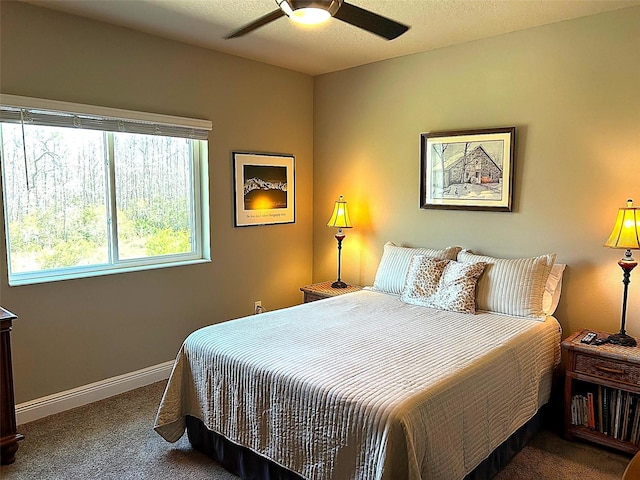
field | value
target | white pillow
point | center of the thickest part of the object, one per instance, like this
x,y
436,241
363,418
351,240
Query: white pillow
x,y
512,286
393,266
443,284
552,289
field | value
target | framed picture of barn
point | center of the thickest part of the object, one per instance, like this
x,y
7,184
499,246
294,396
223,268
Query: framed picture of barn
x,y
264,187
467,169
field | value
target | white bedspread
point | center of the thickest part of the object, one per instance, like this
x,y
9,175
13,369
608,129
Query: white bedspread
x,y
364,387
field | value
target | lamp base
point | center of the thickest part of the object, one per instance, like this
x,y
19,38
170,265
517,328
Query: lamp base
x,y
338,284
622,340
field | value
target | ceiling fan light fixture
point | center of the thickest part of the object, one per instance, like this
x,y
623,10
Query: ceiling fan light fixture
x,y
316,11
310,16
309,12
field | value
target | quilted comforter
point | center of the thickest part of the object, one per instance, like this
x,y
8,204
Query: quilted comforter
x,y
364,387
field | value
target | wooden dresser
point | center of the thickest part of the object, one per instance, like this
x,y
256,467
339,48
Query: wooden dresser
x,y
9,436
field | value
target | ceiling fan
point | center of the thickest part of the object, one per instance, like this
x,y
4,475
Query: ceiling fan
x,y
317,11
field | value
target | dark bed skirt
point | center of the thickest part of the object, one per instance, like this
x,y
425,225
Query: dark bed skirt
x,y
248,465
245,463
502,455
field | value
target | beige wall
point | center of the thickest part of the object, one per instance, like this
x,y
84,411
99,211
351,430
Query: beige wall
x,y
72,333
572,90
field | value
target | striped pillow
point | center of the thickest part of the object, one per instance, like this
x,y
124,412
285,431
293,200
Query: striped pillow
x,y
394,264
552,289
511,286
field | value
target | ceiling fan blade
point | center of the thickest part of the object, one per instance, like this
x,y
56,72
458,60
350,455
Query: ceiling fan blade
x,y
372,22
269,17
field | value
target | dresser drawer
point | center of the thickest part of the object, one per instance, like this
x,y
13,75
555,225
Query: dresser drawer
x,y
608,369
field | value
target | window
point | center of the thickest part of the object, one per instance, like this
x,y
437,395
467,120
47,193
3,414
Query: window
x,y
89,190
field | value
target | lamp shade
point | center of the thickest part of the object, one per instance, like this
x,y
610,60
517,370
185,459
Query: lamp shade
x,y
626,231
340,216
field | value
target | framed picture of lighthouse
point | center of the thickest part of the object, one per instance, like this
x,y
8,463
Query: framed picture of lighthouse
x,y
264,187
468,169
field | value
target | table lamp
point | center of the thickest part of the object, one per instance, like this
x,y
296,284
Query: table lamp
x,y
339,219
625,234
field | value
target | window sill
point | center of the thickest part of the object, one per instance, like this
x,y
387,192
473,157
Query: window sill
x,y
99,273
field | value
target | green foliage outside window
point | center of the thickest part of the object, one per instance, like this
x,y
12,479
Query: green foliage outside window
x,y
58,200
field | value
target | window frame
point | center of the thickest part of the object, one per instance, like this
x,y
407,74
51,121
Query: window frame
x,y
199,210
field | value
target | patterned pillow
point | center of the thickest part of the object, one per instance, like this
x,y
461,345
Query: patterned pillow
x,y
392,269
512,286
443,284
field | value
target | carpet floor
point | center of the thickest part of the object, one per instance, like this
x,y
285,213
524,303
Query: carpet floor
x,y
114,439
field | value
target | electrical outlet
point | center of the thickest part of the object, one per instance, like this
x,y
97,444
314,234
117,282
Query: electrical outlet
x,y
257,307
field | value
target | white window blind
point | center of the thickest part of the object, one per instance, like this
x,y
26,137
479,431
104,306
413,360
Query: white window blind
x,y
36,111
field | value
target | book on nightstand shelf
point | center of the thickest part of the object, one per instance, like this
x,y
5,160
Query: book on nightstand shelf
x,y
610,411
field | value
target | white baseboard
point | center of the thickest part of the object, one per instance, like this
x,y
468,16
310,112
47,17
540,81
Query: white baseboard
x,y
76,397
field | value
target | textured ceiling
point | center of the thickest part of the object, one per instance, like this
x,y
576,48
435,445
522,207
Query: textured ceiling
x,y
334,45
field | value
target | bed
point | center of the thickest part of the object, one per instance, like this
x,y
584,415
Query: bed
x,y
371,385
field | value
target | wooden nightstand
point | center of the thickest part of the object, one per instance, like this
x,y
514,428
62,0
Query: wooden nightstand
x,y
602,393
318,291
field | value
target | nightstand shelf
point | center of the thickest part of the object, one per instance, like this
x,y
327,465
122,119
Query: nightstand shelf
x,y
319,291
602,389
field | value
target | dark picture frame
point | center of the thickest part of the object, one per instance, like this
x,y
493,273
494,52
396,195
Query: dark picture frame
x,y
264,188
467,169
